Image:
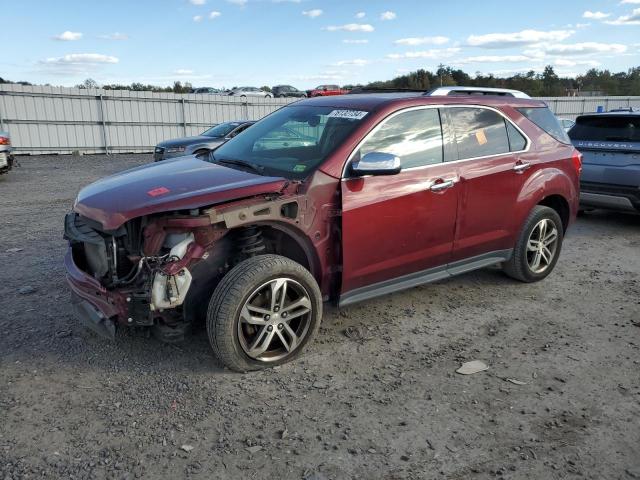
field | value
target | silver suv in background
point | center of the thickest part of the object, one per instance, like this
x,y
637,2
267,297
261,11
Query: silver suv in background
x,y
6,158
610,147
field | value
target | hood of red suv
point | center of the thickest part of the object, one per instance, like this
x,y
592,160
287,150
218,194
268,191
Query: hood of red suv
x,y
180,184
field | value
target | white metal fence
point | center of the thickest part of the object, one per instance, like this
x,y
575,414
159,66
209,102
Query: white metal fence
x,y
64,120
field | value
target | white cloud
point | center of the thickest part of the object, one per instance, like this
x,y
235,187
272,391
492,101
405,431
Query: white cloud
x,y
115,36
630,1
595,15
197,18
567,62
316,12
197,2
496,59
76,64
355,41
585,48
632,19
413,41
361,15
183,71
358,62
388,15
433,53
81,58
214,14
240,3
351,27
525,37
68,36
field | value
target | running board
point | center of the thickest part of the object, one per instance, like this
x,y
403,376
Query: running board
x,y
425,276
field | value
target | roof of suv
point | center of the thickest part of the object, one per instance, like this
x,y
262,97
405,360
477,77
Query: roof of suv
x,y
373,101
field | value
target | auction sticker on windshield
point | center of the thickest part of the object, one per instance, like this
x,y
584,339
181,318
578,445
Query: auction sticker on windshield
x,y
349,114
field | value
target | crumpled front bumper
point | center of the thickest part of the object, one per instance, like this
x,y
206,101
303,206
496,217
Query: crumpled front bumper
x,y
96,307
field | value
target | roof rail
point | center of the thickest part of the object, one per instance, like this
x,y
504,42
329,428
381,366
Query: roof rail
x,y
385,90
463,91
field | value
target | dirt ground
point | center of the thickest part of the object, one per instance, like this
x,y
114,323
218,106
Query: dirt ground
x,y
383,404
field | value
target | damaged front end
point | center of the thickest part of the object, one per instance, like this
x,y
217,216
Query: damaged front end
x,y
137,275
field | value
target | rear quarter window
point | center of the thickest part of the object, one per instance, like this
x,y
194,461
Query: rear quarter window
x,y
547,121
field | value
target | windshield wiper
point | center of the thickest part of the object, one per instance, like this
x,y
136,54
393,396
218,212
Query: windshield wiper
x,y
241,163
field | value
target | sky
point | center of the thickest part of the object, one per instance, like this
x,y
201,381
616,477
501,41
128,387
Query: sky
x,y
304,43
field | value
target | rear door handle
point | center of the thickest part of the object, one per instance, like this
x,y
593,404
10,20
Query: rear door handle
x,y
521,167
438,187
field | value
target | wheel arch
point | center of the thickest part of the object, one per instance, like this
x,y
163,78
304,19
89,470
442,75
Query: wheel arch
x,y
560,205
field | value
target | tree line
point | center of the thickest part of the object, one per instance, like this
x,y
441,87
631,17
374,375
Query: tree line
x,y
545,84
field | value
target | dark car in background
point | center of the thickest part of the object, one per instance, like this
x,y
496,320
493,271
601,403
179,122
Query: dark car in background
x,y
610,146
208,91
6,158
284,91
201,144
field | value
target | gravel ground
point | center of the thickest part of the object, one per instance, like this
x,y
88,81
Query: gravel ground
x,y
384,403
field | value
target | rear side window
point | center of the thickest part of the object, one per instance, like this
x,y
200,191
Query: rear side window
x,y
479,132
415,137
607,128
547,121
517,141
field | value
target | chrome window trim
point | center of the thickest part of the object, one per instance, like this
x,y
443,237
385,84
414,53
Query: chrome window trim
x,y
424,107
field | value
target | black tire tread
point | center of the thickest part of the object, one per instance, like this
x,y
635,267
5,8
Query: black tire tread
x,y
515,267
230,292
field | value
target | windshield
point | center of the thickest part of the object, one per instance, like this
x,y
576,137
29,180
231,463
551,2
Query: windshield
x,y
221,130
291,142
607,128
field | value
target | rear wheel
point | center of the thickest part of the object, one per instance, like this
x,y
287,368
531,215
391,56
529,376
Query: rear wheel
x,y
263,313
538,247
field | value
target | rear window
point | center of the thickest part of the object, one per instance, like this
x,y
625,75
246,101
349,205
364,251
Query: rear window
x,y
547,121
607,128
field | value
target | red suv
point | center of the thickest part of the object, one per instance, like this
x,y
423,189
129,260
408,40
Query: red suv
x,y
396,190
326,91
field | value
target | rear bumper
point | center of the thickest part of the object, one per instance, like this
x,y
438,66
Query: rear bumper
x,y
613,197
96,307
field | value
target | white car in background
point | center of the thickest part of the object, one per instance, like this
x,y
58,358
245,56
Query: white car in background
x,y
250,92
6,159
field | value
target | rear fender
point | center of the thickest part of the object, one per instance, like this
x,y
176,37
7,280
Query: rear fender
x,y
544,183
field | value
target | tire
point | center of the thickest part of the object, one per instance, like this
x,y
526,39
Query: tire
x,y
522,264
248,283
268,95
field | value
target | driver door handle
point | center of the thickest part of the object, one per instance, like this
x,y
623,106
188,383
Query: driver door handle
x,y
521,167
442,185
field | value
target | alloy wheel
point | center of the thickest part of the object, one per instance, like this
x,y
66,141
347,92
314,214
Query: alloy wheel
x,y
542,246
274,320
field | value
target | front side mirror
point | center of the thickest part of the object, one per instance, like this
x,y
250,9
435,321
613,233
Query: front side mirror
x,y
377,163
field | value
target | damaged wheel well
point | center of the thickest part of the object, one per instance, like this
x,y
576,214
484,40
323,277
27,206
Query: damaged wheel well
x,y
237,245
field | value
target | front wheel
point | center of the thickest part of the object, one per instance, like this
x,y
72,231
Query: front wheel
x,y
263,313
538,247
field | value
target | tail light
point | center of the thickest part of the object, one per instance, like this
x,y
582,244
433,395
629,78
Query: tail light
x,y
5,141
576,159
